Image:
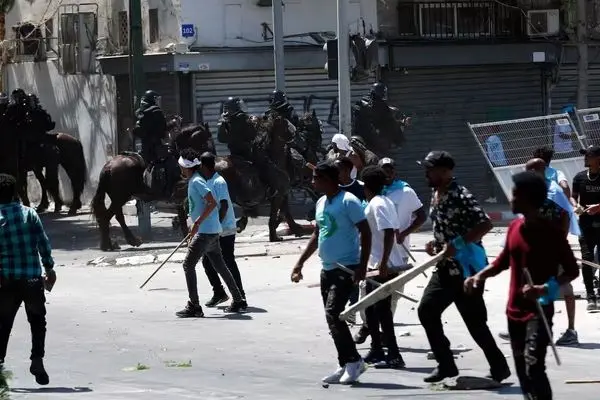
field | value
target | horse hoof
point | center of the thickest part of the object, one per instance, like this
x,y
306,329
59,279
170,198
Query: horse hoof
x,y
72,212
41,208
135,242
275,238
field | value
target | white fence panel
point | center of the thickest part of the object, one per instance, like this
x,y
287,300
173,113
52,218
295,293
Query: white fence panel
x,y
508,145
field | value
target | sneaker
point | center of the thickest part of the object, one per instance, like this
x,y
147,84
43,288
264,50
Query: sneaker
x,y
592,305
374,356
37,369
439,374
217,299
569,338
352,372
391,363
504,336
191,310
335,377
236,307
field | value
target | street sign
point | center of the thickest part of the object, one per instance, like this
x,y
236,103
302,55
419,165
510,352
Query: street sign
x,y
188,30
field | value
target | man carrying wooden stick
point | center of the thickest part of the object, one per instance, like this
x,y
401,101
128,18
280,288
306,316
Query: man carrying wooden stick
x,y
536,246
459,224
340,222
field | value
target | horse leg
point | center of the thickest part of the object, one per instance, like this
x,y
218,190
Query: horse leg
x,y
52,183
44,203
22,188
274,218
129,236
106,244
295,227
242,222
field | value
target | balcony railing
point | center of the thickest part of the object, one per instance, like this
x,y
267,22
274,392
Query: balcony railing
x,y
460,20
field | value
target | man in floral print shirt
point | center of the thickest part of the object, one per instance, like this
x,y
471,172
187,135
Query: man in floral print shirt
x,y
459,223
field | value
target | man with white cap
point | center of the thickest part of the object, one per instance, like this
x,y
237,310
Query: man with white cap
x,y
341,147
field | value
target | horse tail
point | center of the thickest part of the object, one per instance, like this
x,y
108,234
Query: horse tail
x,y
98,207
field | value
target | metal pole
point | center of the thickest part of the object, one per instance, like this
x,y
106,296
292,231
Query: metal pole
x,y
137,50
278,47
344,93
582,49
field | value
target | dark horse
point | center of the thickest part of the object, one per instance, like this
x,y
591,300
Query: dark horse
x,y
58,149
122,178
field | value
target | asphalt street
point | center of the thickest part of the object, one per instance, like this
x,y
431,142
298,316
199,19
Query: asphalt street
x,y
109,340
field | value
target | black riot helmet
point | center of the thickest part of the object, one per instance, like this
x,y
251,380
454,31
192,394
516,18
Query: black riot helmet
x,y
233,106
379,91
33,100
277,99
150,98
19,96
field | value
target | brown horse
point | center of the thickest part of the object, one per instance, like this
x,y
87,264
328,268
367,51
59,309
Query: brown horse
x,y
66,151
122,178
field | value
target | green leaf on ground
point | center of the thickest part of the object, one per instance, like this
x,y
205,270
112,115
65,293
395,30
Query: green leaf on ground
x,y
138,367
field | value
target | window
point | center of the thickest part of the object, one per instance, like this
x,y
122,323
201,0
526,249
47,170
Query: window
x,y
449,20
153,25
123,30
68,28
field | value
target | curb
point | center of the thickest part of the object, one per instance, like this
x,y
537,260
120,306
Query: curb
x,y
284,229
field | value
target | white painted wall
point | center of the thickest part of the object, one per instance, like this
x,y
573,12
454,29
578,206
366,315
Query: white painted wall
x,y
82,106
237,23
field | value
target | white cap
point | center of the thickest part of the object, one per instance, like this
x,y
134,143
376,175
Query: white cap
x,y
341,141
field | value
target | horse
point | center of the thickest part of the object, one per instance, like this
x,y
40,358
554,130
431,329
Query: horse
x,y
122,178
58,149
381,133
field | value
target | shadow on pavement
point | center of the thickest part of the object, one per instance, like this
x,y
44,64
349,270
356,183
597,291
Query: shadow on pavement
x,y
383,386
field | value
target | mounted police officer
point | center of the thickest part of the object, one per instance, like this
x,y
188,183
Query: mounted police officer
x,y
278,103
239,132
41,122
151,126
373,117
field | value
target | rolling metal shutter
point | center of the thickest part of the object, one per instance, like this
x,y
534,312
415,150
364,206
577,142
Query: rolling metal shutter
x,y
307,90
441,102
565,91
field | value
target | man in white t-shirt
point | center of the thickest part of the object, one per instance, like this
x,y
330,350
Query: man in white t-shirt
x,y
386,258
411,216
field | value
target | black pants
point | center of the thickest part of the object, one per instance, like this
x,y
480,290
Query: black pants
x,y
442,290
529,341
336,287
207,245
228,250
150,147
380,314
12,294
589,242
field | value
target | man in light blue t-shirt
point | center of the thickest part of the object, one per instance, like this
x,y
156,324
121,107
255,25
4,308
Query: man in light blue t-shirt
x,y
218,187
204,235
340,223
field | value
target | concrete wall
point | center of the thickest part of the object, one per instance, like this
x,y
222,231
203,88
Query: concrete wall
x,y
83,106
237,23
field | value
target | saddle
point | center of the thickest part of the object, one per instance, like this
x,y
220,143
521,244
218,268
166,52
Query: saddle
x,y
161,177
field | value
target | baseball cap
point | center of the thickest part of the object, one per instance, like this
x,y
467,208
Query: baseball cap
x,y
441,159
592,151
386,162
341,141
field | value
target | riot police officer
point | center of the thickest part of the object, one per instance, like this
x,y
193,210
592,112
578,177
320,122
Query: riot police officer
x,y
279,103
236,129
151,126
41,122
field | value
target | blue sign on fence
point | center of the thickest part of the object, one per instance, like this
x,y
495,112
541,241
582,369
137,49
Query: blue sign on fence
x,y
188,30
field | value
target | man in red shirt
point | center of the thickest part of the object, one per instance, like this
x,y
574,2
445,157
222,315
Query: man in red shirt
x,y
540,246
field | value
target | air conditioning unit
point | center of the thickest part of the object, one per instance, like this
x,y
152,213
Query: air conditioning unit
x,y
543,22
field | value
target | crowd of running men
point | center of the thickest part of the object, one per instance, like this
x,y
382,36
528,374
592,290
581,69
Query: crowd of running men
x,y
365,226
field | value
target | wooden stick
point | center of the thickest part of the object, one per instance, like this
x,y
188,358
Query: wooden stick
x,y
589,263
580,381
388,288
374,282
164,262
543,317
411,257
